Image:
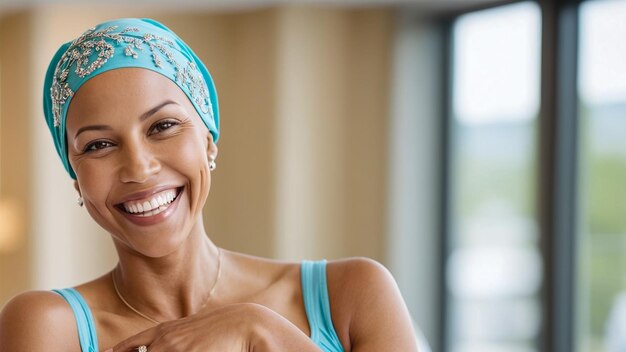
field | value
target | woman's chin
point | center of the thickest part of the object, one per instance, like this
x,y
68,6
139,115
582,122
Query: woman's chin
x,y
156,235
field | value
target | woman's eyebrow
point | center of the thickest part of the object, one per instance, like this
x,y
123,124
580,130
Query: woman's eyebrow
x,y
152,111
143,116
90,128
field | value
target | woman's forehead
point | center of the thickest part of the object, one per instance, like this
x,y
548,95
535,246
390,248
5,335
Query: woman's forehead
x,y
124,91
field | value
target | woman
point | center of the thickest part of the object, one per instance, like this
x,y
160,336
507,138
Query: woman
x,y
134,117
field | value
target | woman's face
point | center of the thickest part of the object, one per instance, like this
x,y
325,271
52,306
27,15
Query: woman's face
x,y
141,156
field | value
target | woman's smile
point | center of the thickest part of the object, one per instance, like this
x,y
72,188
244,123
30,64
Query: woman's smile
x,y
151,207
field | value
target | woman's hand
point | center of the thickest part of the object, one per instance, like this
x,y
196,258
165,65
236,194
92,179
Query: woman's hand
x,y
244,327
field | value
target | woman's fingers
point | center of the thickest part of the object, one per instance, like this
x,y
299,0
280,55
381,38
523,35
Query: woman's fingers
x,y
132,343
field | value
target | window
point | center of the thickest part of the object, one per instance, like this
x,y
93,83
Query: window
x,y
601,299
494,266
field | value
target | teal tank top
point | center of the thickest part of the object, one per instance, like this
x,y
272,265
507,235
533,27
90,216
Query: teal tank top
x,y
316,305
84,320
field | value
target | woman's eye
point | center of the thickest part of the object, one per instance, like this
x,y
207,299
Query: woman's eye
x,y
162,126
97,145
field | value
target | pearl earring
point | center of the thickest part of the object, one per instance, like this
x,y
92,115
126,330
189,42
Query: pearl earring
x,y
212,165
79,201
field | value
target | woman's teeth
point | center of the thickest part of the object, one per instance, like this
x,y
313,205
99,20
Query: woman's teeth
x,y
152,206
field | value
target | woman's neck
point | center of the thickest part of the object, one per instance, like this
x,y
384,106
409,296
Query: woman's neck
x,y
173,286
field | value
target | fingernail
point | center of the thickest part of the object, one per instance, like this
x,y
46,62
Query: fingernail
x,y
109,350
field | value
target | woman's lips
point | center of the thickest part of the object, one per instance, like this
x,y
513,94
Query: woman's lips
x,y
157,202
153,209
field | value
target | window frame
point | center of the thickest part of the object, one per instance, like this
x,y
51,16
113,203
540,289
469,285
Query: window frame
x,y
557,173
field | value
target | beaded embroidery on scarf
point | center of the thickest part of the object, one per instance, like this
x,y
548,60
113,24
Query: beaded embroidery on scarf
x,y
81,49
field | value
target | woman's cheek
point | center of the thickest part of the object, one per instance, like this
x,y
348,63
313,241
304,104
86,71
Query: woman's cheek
x,y
191,161
95,184
190,155
95,179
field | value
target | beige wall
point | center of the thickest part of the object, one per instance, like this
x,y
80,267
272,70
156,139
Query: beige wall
x,y
16,147
332,111
301,169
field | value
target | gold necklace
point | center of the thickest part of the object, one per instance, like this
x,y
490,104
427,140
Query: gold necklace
x,y
217,278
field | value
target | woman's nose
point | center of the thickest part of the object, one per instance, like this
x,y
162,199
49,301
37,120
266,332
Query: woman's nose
x,y
138,163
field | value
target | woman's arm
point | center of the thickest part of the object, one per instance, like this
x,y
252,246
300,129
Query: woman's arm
x,y
244,327
38,321
367,307
279,334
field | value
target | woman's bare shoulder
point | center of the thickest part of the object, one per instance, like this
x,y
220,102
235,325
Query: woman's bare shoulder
x,y
351,274
37,320
367,308
265,268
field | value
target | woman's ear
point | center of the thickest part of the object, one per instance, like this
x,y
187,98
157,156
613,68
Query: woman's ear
x,y
77,187
80,200
211,149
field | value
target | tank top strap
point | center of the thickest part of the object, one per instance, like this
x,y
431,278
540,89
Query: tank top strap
x,y
317,305
84,320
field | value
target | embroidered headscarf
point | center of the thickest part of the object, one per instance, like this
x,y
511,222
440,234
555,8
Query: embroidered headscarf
x,y
128,42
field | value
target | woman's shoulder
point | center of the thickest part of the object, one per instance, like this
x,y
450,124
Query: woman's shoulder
x,y
343,275
366,302
265,271
348,267
35,307
37,320
349,274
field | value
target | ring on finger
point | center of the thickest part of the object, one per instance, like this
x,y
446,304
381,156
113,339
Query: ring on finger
x,y
142,348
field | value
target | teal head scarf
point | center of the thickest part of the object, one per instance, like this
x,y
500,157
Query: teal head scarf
x,y
128,42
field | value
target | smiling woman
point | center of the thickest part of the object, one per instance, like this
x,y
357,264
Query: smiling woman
x,y
134,117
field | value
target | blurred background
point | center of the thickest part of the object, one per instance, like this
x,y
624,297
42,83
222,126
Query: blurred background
x,y
477,148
